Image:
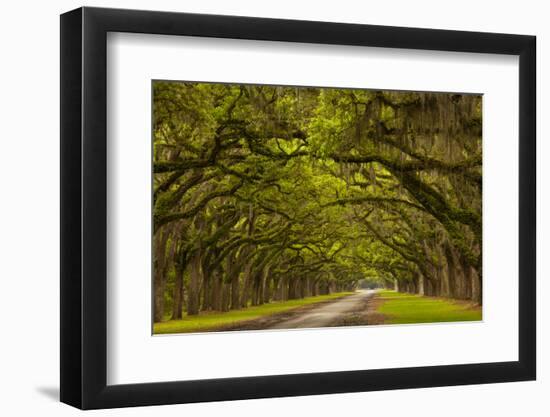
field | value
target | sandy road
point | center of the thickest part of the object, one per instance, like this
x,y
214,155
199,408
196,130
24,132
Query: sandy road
x,y
326,314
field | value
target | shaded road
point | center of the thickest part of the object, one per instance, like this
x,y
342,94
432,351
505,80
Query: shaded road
x,y
326,314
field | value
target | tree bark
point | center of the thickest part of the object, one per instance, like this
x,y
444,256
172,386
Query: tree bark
x,y
194,282
160,242
177,306
206,290
266,296
451,271
247,283
476,287
217,289
226,296
235,292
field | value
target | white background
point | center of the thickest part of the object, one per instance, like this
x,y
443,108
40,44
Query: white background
x,y
133,60
29,221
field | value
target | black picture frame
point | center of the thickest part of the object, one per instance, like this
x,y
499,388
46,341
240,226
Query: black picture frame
x,y
84,207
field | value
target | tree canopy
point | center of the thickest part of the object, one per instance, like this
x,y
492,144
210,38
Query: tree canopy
x,y
268,193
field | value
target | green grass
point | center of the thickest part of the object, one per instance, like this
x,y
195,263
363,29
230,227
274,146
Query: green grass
x,y
400,308
210,321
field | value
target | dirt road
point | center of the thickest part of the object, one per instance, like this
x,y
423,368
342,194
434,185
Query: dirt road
x,y
326,314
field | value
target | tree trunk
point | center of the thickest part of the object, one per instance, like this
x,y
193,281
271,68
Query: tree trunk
x,y
283,285
177,306
233,296
194,281
466,280
254,290
235,292
421,284
247,283
315,288
226,296
451,271
247,279
292,288
261,285
217,288
476,286
206,290
160,242
266,297
444,288
277,288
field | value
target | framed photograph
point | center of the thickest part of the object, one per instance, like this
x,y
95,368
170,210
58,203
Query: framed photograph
x,y
258,208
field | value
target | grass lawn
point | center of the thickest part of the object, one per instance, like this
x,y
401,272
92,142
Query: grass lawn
x,y
400,308
209,321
